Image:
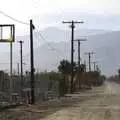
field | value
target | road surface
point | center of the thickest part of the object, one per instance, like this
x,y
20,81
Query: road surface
x,y
103,103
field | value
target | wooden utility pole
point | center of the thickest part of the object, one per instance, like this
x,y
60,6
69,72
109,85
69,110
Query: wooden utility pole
x,y
72,48
11,60
32,63
12,30
85,66
18,68
98,68
85,70
94,65
79,57
89,57
11,67
21,64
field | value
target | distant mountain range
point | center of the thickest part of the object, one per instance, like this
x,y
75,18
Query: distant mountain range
x,y
56,47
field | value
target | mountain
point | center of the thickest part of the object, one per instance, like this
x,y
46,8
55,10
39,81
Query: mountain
x,y
105,45
107,49
55,46
56,35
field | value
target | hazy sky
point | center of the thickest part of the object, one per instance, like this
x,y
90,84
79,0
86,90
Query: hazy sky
x,y
51,12
97,14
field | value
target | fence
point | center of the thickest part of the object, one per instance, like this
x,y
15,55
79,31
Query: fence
x,y
45,89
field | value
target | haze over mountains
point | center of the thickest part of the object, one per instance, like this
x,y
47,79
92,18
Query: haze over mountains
x,y
104,43
56,47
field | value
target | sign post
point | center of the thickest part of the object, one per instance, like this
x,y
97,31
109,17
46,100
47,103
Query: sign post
x,y
7,35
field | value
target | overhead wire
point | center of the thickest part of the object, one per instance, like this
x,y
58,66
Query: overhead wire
x,y
22,22
66,51
43,38
52,48
12,18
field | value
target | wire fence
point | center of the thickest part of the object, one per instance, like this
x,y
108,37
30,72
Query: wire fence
x,y
19,115
45,90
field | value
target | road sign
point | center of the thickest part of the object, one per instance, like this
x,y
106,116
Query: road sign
x,y
7,32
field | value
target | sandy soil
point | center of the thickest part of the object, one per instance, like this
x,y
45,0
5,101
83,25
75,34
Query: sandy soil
x,y
105,105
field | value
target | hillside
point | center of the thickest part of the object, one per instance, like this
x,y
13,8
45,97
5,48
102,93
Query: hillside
x,y
104,43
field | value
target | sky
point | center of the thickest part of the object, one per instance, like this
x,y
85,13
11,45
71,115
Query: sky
x,y
96,14
101,14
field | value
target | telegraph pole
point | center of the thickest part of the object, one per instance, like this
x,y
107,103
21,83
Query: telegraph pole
x,y
85,65
72,26
11,56
94,65
79,42
32,63
98,68
18,68
21,64
11,60
89,56
85,70
11,68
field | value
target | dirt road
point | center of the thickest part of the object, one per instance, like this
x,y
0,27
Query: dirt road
x,y
103,103
100,103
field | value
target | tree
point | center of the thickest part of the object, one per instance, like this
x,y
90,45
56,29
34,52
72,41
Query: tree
x,y
97,69
82,68
4,81
80,73
65,67
119,72
54,76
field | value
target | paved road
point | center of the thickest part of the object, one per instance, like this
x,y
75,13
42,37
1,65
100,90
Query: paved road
x,y
103,103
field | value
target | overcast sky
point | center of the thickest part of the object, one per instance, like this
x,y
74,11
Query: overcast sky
x,y
97,14
101,14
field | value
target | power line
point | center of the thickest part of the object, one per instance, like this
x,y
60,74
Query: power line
x,y
89,56
43,38
52,48
79,61
32,77
21,63
12,18
72,26
22,22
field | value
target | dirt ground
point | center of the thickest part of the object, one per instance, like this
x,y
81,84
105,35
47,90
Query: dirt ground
x,y
103,104
100,103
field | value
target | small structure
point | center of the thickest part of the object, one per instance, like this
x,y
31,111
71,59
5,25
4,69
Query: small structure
x,y
15,98
27,95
